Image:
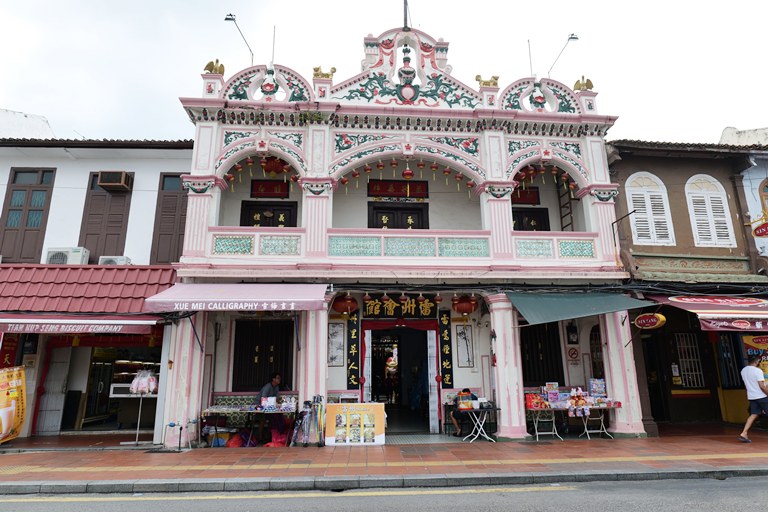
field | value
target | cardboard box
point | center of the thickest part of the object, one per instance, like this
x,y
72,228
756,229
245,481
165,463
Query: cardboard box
x,y
219,438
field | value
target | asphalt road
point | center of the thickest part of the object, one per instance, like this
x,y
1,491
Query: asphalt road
x,y
733,494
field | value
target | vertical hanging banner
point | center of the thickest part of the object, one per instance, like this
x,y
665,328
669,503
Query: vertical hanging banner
x,y
12,402
446,355
353,351
9,347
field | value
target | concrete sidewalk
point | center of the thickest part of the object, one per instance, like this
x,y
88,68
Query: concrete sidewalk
x,y
707,453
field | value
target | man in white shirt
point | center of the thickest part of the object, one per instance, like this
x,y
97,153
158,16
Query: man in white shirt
x,y
757,393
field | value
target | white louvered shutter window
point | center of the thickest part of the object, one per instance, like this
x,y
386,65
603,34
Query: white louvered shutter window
x,y
651,222
708,209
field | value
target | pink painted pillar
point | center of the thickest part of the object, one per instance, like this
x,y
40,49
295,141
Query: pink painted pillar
x,y
184,387
508,370
498,219
313,356
199,211
316,217
620,373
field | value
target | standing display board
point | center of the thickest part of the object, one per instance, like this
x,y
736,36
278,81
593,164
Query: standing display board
x,y
354,424
12,402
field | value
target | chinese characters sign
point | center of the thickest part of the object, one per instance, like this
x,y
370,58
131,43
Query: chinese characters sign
x,y
9,346
12,402
392,188
353,351
446,356
412,307
269,188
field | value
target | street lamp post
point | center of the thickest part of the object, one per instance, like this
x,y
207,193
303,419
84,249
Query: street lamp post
x,y
571,37
231,17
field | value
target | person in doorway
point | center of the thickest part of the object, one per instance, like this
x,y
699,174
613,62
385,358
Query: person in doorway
x,y
757,394
460,412
391,377
271,388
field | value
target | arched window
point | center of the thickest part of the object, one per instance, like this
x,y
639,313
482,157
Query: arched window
x,y
651,222
710,216
764,195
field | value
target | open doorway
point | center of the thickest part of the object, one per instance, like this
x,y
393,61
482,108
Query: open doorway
x,y
399,371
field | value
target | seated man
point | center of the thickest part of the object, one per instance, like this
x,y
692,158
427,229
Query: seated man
x,y
463,401
271,388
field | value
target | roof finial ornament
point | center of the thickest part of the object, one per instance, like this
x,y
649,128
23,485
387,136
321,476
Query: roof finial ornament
x,y
406,28
583,85
493,82
318,72
214,67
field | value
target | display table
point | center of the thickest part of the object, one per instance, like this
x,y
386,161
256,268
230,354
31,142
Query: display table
x,y
599,419
593,422
478,417
545,415
217,411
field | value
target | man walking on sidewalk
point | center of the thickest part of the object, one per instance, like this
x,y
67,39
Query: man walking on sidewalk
x,y
757,394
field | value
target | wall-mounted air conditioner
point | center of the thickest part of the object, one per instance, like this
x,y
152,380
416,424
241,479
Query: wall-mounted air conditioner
x,y
114,260
67,256
117,181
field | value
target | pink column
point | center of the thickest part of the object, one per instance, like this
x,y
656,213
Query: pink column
x,y
200,189
316,217
498,219
313,357
508,370
620,373
183,391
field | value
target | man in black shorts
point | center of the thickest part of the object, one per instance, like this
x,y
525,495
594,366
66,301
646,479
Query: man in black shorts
x,y
757,393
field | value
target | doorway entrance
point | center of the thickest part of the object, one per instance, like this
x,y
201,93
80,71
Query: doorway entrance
x,y
400,378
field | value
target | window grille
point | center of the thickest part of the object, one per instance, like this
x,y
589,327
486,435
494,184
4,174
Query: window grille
x,y
689,360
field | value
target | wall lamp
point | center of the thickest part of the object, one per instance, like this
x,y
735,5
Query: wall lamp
x,y
231,17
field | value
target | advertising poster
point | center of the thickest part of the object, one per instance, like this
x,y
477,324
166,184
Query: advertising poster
x,y
757,346
12,402
354,424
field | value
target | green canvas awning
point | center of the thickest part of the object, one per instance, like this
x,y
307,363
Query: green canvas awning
x,y
542,307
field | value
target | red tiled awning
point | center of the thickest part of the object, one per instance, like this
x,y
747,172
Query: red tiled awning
x,y
56,299
722,312
238,297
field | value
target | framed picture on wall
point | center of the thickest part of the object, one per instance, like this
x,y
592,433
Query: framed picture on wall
x,y
465,351
335,344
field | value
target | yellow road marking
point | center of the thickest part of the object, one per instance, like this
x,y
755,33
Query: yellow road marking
x,y
406,464
297,495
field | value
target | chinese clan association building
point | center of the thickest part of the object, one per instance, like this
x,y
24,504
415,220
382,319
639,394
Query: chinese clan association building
x,y
396,236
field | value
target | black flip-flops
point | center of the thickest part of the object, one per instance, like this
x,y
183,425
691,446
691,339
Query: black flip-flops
x,y
744,439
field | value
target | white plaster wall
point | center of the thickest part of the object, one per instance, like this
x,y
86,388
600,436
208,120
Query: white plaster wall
x,y
448,208
229,214
71,184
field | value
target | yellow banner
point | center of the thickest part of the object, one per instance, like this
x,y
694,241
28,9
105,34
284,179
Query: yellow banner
x,y
354,424
12,402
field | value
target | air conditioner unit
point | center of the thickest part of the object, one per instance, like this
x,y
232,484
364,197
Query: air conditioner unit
x,y
119,181
114,260
67,256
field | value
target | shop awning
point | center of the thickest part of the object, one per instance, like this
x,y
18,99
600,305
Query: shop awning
x,y
34,323
722,312
542,307
238,297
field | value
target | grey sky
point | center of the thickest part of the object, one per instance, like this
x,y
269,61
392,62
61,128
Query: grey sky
x,y
671,71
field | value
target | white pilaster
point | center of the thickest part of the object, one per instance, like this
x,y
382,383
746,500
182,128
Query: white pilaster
x,y
620,373
508,370
313,357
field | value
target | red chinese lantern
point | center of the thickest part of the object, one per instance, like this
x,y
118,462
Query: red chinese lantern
x,y
249,163
367,168
465,304
420,299
438,299
407,173
380,165
294,178
420,164
385,298
403,298
345,305
366,297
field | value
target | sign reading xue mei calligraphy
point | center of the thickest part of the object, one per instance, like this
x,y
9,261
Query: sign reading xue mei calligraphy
x,y
353,351
411,307
444,342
